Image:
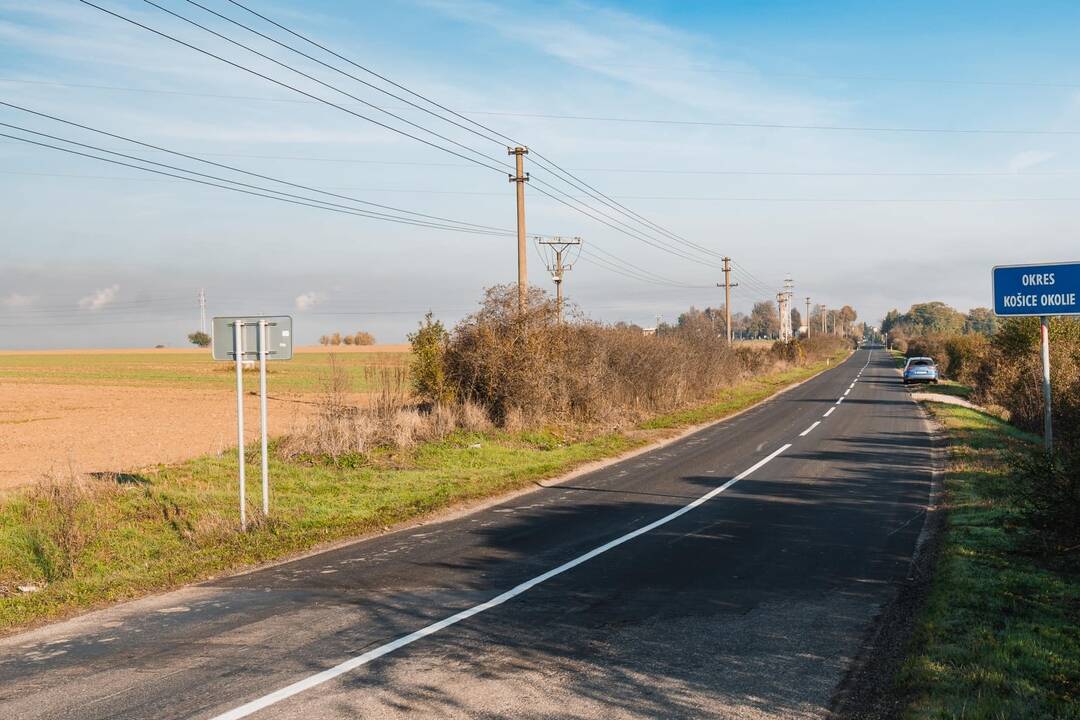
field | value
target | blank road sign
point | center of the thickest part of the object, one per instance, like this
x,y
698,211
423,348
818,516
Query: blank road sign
x,y
1046,289
278,333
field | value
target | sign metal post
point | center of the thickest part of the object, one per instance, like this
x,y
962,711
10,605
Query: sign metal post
x,y
1041,290
1048,425
238,353
231,339
263,352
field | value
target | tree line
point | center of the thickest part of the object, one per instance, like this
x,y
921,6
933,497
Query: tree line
x,y
937,318
763,321
357,338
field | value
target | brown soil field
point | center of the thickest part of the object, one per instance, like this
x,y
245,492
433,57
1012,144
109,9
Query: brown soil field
x,y
108,411
54,428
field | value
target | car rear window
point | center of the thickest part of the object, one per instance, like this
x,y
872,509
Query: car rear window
x,y
921,362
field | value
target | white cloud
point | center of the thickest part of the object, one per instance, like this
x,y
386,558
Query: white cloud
x,y
1028,159
99,299
15,300
308,300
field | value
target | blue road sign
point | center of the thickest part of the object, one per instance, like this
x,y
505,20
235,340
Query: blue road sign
x,y
1037,289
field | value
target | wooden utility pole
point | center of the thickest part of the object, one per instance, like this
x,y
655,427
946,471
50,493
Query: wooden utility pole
x,y
520,178
727,296
807,317
559,269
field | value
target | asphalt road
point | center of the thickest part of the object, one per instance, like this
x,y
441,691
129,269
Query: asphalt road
x,y
750,603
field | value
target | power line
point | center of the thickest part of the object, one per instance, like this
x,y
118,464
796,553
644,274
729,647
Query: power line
x,y
421,191
342,72
612,267
617,225
781,126
285,85
544,161
236,169
291,87
630,270
575,204
372,72
606,200
596,118
629,267
313,78
318,204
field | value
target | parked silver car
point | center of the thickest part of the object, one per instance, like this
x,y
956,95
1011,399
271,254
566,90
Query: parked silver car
x,y
920,369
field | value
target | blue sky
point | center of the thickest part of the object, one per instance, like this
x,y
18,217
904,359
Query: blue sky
x,y
93,254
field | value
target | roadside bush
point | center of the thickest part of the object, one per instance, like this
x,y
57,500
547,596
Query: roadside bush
x,y
531,368
931,346
1010,375
965,354
1047,490
427,370
790,351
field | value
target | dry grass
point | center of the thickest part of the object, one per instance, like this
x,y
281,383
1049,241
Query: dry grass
x,y
65,512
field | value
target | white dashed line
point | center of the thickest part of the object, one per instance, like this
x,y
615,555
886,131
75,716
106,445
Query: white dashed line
x,y
360,660
829,411
846,392
806,432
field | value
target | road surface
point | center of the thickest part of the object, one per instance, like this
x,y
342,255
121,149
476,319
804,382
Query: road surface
x,y
732,574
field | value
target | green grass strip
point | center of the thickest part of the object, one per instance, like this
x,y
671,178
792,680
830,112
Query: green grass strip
x,y
1000,634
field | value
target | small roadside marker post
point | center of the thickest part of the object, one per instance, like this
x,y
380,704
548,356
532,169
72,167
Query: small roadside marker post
x,y
1041,290
231,339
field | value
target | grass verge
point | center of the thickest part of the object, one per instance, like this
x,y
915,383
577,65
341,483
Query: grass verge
x,y
85,543
999,636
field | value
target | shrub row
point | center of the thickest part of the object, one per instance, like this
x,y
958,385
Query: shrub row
x,y
577,371
501,367
1005,371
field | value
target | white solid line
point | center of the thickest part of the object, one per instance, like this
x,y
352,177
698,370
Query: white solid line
x,y
359,660
806,432
829,411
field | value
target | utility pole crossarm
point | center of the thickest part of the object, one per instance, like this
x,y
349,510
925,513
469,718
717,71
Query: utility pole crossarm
x,y
559,269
